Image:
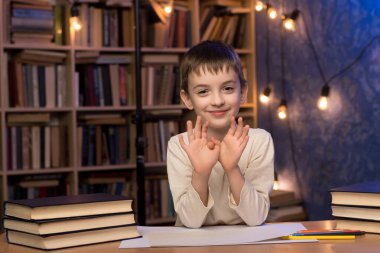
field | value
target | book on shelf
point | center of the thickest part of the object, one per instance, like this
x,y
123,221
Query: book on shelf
x,y
286,213
161,30
37,79
38,186
36,22
105,142
115,182
72,239
285,206
158,199
71,224
357,206
35,141
101,24
104,85
224,22
67,206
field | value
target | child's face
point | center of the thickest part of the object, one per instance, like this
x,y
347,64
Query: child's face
x,y
215,97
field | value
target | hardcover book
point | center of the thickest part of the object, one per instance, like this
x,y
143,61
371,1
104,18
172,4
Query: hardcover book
x,y
71,224
67,206
66,240
363,194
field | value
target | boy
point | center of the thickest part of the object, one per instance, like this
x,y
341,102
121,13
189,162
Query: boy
x,y
219,172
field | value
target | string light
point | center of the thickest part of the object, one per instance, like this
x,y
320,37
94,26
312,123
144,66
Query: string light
x,y
259,6
272,13
276,184
264,97
289,20
169,7
323,99
74,19
282,111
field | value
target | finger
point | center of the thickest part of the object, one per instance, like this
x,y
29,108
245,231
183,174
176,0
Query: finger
x,y
204,130
182,142
232,129
239,129
244,133
211,145
214,140
198,128
190,133
244,143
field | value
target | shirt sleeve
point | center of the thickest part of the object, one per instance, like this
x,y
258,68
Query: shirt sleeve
x,y
187,203
254,196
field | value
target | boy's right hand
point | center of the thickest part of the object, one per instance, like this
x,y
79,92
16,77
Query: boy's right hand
x,y
203,154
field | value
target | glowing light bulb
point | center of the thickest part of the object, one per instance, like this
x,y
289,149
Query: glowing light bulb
x,y
323,103
168,9
289,24
282,110
259,6
264,97
276,185
75,23
272,13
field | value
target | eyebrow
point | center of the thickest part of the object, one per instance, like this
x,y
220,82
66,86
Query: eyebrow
x,y
206,85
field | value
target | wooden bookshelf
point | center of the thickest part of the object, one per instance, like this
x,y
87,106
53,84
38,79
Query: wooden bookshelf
x,y
73,173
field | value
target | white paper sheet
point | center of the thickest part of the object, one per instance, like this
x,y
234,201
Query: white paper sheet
x,y
213,235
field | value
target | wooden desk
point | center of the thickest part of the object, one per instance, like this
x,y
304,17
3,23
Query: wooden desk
x,y
369,243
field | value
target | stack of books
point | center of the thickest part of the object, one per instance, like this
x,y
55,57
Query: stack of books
x,y
357,206
32,21
285,206
68,221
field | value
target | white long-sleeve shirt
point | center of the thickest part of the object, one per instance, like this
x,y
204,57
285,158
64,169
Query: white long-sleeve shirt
x,y
256,165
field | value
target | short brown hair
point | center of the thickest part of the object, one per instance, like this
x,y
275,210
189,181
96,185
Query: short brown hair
x,y
212,56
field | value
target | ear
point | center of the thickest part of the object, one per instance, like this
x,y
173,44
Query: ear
x,y
244,92
186,100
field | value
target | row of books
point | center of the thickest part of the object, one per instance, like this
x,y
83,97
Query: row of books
x,y
224,23
37,22
357,206
38,186
104,26
117,185
159,134
69,221
158,199
37,147
285,206
160,79
104,85
173,30
105,144
37,79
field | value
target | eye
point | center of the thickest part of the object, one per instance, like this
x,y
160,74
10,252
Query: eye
x,y
229,89
201,92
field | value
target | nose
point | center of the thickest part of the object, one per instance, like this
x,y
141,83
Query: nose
x,y
217,99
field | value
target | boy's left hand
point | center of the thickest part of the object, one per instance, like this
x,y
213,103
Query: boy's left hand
x,y
233,145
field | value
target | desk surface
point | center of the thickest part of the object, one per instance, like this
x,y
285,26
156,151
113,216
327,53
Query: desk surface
x,y
369,243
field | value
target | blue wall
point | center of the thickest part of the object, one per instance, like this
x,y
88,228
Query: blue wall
x,y
341,145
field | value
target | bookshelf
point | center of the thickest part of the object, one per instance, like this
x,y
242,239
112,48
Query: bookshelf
x,y
87,125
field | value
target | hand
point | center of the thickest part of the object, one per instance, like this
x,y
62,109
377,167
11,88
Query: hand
x,y
233,144
203,154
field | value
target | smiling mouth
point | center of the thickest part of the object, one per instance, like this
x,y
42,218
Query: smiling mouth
x,y
218,113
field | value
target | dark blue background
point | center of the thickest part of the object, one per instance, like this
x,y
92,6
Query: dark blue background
x,y
339,146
